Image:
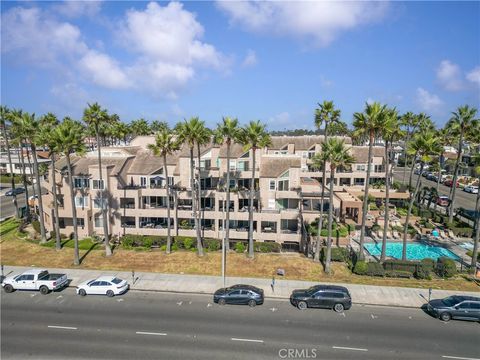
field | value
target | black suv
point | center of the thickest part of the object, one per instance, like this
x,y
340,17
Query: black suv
x,y
455,307
322,296
239,294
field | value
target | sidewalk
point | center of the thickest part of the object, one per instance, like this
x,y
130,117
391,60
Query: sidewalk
x,y
361,294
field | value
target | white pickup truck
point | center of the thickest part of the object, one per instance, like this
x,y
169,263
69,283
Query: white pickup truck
x,y
35,279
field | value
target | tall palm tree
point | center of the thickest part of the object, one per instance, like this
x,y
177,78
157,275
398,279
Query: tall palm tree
x,y
4,114
325,115
476,161
140,127
68,138
187,134
390,132
227,132
368,125
253,136
165,145
460,126
409,122
157,126
337,155
425,145
94,116
49,122
203,137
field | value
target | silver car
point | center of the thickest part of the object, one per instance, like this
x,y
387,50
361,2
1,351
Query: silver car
x,y
455,307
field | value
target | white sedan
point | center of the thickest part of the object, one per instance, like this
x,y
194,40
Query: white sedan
x,y
471,189
103,285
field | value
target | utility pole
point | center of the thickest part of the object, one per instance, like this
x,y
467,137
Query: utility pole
x,y
223,243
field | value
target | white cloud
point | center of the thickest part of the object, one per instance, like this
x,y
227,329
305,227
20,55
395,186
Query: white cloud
x,y
428,101
320,21
250,59
280,120
76,8
450,76
474,75
104,70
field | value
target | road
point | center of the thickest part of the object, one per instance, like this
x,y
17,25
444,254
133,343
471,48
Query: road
x,y
462,198
145,325
7,208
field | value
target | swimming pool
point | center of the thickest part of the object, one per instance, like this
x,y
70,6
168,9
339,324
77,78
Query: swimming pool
x,y
415,251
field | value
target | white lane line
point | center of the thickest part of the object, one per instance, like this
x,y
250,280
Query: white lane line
x,y
248,340
150,333
348,348
458,357
62,327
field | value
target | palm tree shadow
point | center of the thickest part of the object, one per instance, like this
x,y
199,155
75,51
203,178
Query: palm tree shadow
x,y
88,252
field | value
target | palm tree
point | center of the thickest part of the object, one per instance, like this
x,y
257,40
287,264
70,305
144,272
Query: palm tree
x,y
94,116
368,125
4,114
68,138
253,136
187,134
409,121
425,145
227,132
337,155
49,122
203,137
158,126
460,126
140,127
390,132
326,115
476,161
165,145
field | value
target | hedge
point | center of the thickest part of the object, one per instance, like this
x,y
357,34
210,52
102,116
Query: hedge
x,y
428,264
398,274
400,265
267,247
446,267
337,254
375,269
240,247
36,226
360,268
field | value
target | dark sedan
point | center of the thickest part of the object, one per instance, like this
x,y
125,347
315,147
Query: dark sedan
x,y
17,191
322,296
456,307
239,294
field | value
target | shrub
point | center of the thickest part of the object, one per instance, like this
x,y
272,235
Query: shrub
x,y
428,264
400,265
179,242
267,247
163,248
36,226
174,247
375,269
147,242
240,247
422,274
446,267
188,243
212,244
402,212
338,254
360,268
398,274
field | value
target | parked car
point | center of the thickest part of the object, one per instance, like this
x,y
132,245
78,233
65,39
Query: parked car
x,y
417,172
449,183
239,294
322,296
35,279
455,307
17,191
443,201
432,177
471,189
425,173
103,285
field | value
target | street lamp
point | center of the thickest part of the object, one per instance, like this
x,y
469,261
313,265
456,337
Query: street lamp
x,y
223,244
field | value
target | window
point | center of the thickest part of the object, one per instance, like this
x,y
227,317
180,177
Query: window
x,y
464,305
98,202
96,283
171,180
233,165
116,281
98,221
81,183
98,184
243,166
232,183
272,184
81,222
235,293
271,203
283,185
360,167
205,164
218,162
28,277
143,181
81,201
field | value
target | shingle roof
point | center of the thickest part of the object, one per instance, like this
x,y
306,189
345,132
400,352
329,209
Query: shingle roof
x,y
360,153
301,142
146,163
236,150
274,166
80,165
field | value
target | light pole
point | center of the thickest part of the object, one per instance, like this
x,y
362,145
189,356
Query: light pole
x,y
223,244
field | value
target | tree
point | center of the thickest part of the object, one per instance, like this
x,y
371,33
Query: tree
x,y
325,115
165,145
158,126
227,132
367,125
391,132
202,137
187,134
424,144
409,122
336,154
94,116
476,160
140,127
121,131
47,123
4,114
460,126
253,136
67,139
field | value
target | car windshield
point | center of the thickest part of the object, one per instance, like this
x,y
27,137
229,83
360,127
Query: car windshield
x,y
312,290
451,300
116,280
90,282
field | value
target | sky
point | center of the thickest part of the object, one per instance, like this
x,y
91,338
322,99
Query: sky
x,y
268,61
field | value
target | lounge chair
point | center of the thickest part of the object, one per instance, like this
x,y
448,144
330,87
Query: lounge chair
x,y
395,234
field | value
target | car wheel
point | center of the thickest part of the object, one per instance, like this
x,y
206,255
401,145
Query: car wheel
x,y
82,292
110,293
252,303
445,316
338,308
8,288
221,302
44,290
302,305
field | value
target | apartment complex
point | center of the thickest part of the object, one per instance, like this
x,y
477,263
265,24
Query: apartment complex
x,y
287,192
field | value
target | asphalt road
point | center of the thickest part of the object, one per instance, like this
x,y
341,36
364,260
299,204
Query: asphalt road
x,y
462,198
144,325
7,208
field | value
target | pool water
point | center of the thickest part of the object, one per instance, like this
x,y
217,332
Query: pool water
x,y
415,251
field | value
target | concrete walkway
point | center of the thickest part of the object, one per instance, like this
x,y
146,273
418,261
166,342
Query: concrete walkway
x,y
361,294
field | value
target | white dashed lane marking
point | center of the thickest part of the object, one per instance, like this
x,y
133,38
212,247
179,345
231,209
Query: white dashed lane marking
x,y
62,327
150,333
348,348
248,340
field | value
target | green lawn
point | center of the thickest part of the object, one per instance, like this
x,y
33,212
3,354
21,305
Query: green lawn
x,y
6,179
84,244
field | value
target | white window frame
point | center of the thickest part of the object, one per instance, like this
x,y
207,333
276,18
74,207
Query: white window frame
x,y
97,181
143,181
95,218
233,165
83,181
274,183
84,203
